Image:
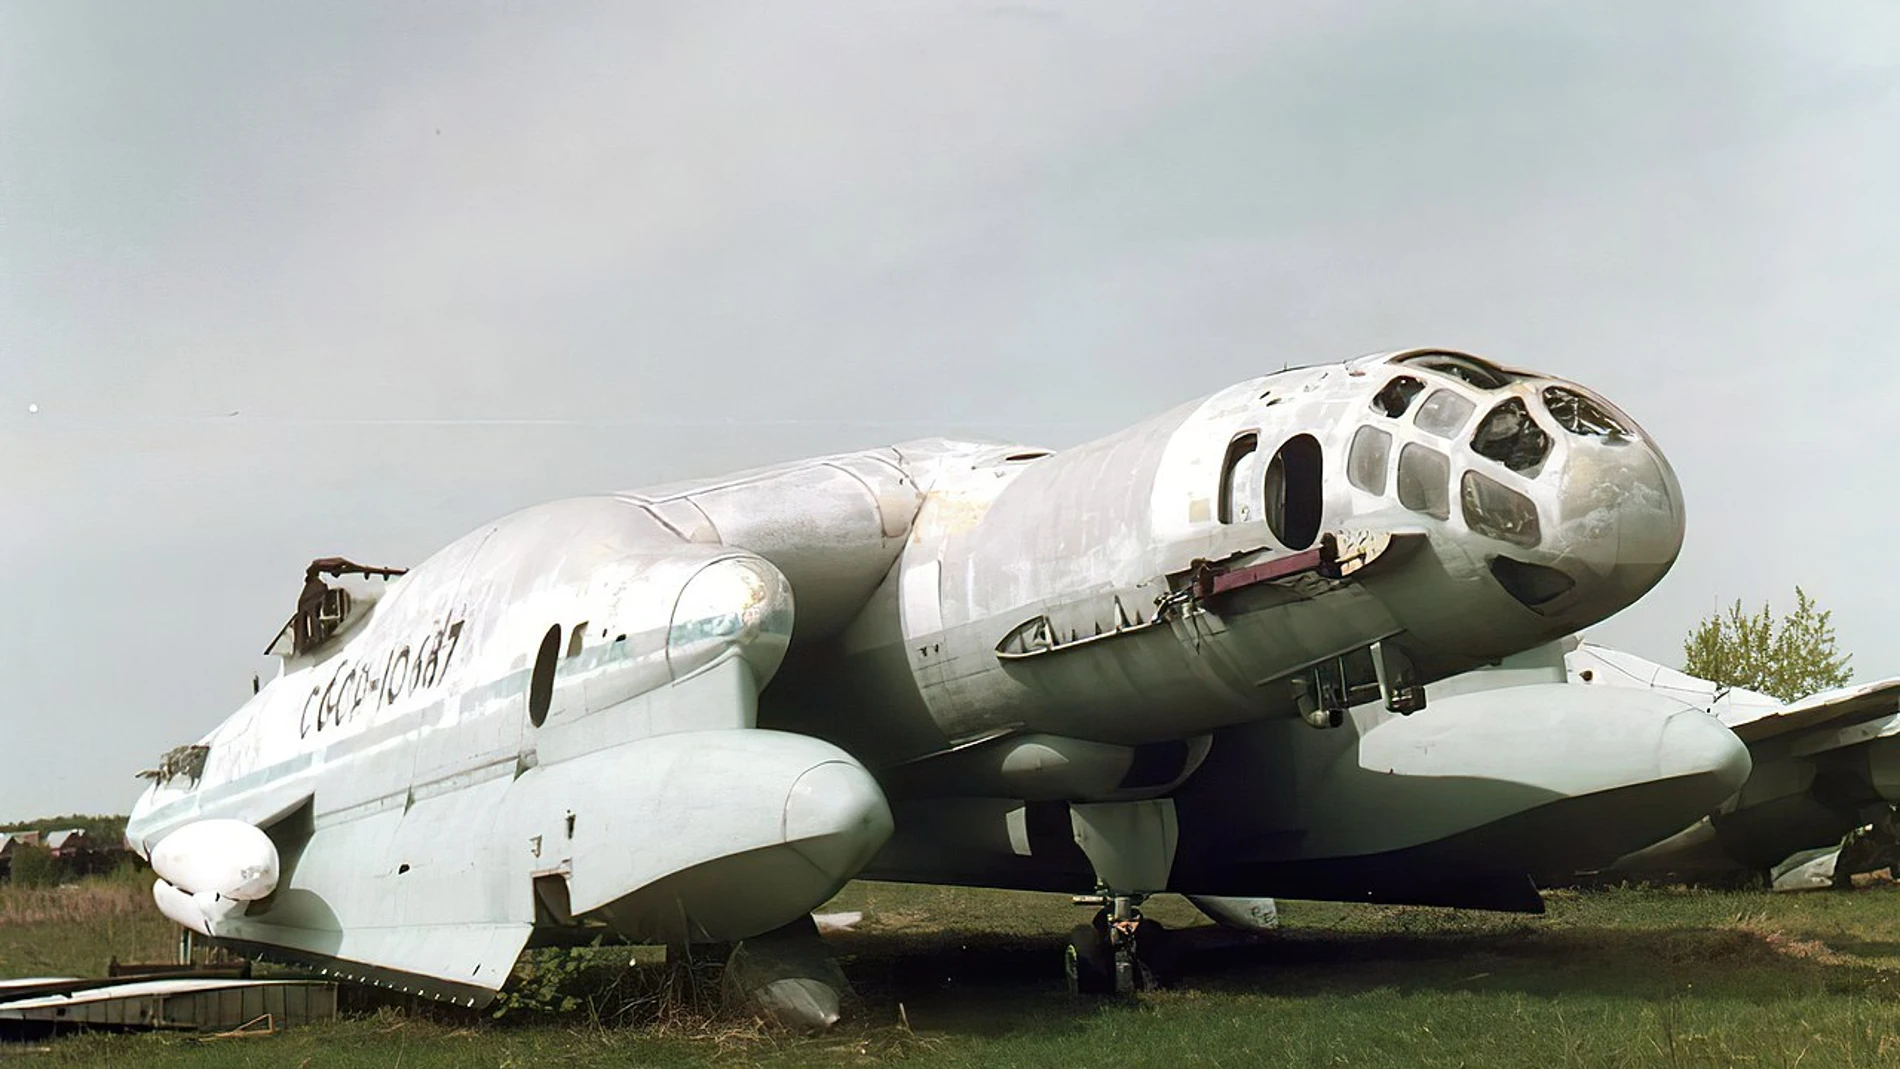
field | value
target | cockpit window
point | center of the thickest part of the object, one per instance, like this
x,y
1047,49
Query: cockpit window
x,y
1496,510
1509,436
1444,413
1425,481
1579,415
1366,461
1396,396
1469,369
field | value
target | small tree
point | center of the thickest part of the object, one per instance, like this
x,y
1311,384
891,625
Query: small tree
x,y
33,866
1789,659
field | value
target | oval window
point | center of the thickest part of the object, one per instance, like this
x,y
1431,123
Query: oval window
x,y
541,681
1294,498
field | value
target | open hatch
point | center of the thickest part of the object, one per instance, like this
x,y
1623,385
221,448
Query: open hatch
x,y
323,608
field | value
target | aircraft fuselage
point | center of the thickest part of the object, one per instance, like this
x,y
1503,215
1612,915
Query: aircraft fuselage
x,y
692,712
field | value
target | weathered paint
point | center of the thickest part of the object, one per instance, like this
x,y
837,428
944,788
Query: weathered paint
x,y
598,711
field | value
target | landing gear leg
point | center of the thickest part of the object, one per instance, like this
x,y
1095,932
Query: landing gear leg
x,y
1131,847
1120,951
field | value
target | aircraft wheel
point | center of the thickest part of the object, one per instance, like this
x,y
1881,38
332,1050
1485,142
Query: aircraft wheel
x,y
1089,961
1156,956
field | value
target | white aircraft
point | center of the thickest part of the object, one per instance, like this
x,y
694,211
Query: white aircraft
x,y
1122,668
1823,766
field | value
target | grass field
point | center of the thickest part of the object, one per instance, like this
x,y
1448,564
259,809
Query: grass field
x,y
967,978
74,929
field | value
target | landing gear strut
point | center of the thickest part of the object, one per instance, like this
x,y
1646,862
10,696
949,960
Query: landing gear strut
x,y
1130,845
1119,952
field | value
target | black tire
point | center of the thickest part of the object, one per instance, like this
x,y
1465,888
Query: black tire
x,y
1089,961
1156,955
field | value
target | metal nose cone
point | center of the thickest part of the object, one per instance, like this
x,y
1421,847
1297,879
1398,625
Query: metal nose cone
x,y
836,818
1622,517
1693,743
1649,522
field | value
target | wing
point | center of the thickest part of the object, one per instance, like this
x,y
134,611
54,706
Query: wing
x,y
1840,717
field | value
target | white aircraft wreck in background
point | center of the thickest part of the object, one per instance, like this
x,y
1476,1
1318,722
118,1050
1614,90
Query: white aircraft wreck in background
x,y
1820,767
1823,766
1122,668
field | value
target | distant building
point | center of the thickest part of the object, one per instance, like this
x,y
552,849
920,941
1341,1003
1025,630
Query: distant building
x,y
68,842
74,852
10,839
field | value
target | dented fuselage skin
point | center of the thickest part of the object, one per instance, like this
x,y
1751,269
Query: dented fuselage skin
x,y
603,716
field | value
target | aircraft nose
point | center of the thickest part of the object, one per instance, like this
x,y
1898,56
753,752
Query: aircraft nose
x,y
1693,743
1620,521
836,817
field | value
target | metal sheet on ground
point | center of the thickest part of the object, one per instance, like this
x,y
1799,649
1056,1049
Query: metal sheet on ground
x,y
194,1005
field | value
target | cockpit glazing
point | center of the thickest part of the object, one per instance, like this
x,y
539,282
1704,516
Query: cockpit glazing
x,y
1467,369
1496,510
1396,396
1580,415
1444,413
1509,436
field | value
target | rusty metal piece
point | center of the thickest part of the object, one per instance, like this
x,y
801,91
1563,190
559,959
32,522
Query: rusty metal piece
x,y
1212,580
187,761
320,607
341,566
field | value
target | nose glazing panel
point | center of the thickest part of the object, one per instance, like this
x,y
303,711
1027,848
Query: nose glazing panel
x,y
1493,509
1509,436
1366,462
1580,415
1444,413
1424,481
1396,396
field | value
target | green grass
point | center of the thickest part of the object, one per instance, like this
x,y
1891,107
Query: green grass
x,y
73,929
1608,978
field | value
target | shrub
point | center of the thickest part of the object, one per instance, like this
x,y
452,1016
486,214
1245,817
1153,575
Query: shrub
x,y
33,866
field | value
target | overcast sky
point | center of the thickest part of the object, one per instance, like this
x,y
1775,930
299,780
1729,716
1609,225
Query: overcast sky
x,y
290,280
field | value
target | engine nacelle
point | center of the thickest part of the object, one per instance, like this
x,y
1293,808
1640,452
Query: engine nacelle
x,y
225,858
